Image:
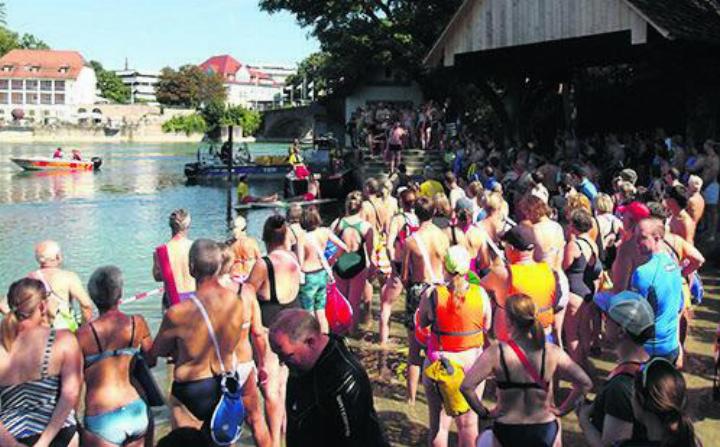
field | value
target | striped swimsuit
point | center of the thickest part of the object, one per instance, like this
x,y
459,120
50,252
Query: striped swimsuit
x,y
26,408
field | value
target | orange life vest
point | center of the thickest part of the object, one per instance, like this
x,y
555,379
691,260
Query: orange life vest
x,y
458,324
537,281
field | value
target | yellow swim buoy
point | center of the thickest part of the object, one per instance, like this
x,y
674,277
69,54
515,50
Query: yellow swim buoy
x,y
448,375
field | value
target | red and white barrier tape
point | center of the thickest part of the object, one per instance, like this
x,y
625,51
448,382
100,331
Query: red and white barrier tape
x,y
141,296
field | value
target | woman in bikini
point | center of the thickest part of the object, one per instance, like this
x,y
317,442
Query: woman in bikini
x,y
524,369
115,414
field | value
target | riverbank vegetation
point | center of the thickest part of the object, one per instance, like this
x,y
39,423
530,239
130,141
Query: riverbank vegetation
x,y
110,85
187,124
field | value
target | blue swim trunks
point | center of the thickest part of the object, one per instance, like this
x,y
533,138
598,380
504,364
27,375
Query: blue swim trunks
x,y
313,294
122,425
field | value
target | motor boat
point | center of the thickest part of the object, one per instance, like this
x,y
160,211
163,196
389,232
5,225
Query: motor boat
x,y
213,165
57,164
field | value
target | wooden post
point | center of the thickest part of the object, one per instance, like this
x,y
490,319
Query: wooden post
x,y
230,177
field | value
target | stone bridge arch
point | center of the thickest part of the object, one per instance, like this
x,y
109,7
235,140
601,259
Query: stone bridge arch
x,y
296,122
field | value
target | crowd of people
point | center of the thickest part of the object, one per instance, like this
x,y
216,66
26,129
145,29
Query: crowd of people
x,y
516,267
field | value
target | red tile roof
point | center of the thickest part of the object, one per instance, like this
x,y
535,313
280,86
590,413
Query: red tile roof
x,y
45,64
259,74
224,65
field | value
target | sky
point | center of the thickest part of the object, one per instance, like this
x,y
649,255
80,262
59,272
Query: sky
x,y
154,34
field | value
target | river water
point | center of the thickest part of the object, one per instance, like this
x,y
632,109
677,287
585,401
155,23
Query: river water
x,y
114,216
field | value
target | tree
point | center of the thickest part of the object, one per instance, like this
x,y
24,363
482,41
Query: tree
x,y
357,35
10,40
217,114
30,42
110,85
189,86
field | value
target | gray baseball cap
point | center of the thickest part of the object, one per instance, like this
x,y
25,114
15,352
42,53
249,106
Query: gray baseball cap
x,y
632,312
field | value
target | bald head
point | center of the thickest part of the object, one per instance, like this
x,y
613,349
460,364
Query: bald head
x,y
47,254
296,324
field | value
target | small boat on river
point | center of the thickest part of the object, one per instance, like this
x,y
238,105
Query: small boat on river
x,y
57,164
213,165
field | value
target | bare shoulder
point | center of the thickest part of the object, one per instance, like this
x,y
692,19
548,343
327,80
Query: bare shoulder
x,y
66,340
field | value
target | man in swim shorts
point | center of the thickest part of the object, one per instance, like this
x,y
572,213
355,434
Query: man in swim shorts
x,y
422,268
185,336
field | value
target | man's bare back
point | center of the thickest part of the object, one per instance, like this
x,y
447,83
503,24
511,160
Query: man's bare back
x,y
184,335
65,286
436,244
178,252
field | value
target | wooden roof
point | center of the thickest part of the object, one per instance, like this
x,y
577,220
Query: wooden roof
x,y
693,20
482,25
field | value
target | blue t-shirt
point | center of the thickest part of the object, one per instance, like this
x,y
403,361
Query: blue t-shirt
x,y
663,274
589,189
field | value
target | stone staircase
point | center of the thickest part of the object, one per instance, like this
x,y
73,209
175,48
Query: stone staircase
x,y
414,159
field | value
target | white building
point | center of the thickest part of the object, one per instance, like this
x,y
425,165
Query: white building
x,y
247,86
384,85
142,84
47,85
279,73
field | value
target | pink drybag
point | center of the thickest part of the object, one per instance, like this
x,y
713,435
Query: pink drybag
x,y
338,311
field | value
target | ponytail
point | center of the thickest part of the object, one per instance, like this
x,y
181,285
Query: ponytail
x,y
521,310
538,334
9,330
680,429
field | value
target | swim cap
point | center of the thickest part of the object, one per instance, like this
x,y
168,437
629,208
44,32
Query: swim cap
x,y
457,260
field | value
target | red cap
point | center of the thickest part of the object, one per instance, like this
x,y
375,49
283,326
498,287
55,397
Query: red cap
x,y
636,210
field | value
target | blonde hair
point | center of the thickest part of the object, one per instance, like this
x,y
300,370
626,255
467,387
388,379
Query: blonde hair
x,y
576,202
441,203
603,203
522,314
493,202
24,296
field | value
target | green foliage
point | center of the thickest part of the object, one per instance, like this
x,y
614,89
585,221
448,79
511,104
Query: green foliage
x,y
189,86
358,34
10,40
110,85
189,124
217,114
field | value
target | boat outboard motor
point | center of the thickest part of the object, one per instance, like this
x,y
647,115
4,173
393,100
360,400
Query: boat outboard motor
x,y
97,162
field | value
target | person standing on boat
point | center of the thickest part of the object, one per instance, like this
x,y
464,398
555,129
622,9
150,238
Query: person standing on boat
x,y
58,153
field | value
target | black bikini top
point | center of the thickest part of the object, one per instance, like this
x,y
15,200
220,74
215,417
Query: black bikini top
x,y
509,384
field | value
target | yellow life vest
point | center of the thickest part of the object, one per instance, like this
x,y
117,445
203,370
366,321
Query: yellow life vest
x,y
537,281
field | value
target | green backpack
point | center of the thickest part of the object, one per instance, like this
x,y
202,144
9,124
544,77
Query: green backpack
x,y
351,263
